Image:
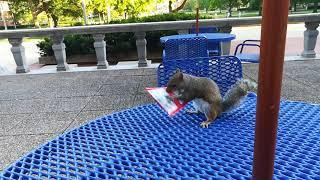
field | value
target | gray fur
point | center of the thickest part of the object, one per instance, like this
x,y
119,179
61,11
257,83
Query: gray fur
x,y
188,88
237,92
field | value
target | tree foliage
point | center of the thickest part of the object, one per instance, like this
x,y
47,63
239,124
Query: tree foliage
x,y
132,8
203,4
19,9
53,8
218,4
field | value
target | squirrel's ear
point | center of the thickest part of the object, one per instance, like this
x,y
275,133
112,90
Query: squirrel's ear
x,y
178,70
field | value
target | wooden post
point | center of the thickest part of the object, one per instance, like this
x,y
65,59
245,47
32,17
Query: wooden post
x,y
273,37
197,17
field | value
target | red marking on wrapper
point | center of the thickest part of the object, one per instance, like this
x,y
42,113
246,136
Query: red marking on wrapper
x,y
162,97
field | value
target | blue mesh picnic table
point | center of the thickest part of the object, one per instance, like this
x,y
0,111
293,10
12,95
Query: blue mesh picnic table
x,y
144,143
213,40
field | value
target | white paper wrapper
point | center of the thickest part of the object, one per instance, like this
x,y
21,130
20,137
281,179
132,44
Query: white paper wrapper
x,y
171,106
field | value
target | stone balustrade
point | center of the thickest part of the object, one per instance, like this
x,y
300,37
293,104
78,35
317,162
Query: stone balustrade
x,y
98,32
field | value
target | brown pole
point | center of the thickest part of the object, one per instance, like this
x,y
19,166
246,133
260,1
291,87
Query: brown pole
x,y
197,17
273,38
197,21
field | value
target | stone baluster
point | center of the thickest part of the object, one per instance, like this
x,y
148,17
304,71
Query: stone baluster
x,y
100,48
225,29
141,44
310,39
225,46
183,31
19,55
58,48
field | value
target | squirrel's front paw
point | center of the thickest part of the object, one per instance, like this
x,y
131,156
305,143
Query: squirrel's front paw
x,y
205,124
193,111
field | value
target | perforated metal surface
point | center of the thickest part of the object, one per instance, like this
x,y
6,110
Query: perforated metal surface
x,y
224,70
213,47
248,57
185,48
142,143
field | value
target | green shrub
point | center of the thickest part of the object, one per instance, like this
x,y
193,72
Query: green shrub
x,y
162,17
75,44
117,42
45,47
77,24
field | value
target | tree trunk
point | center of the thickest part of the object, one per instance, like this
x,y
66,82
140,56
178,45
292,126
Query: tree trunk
x,y
230,10
15,21
260,8
100,20
180,7
49,21
104,18
34,19
55,20
315,6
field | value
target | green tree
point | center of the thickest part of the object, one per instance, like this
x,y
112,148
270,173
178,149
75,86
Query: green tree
x,y
99,7
315,5
19,9
205,4
228,4
190,5
256,5
53,8
217,4
58,8
132,8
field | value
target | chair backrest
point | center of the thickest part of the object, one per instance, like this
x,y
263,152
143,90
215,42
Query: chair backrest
x,y
224,70
184,48
204,30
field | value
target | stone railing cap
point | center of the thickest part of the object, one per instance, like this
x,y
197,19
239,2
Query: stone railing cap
x,y
149,26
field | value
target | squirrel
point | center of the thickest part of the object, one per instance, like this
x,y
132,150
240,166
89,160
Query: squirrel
x,y
206,95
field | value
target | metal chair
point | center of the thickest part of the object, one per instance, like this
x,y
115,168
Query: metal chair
x,y
213,47
248,57
185,48
224,70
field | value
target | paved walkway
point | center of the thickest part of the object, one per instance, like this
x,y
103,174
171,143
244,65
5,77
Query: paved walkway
x,y
36,108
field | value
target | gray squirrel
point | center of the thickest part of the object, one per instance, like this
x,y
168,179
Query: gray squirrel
x,y
206,95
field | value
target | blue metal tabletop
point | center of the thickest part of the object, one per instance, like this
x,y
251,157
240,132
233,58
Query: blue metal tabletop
x,y
144,143
212,37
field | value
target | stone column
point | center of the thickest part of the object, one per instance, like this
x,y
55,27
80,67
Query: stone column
x,y
141,44
58,48
225,29
100,48
19,55
310,39
183,31
225,46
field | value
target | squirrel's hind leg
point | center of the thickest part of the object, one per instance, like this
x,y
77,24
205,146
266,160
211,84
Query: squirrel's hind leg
x,y
211,115
195,109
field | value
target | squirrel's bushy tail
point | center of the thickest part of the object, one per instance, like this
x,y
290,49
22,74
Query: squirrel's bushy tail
x,y
238,91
